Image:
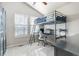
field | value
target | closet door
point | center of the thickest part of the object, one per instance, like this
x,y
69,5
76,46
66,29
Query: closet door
x,y
2,32
4,29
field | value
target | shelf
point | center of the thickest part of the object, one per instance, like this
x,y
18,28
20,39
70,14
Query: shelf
x,y
63,30
64,36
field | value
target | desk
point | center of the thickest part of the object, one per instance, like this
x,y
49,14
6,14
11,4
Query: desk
x,y
65,48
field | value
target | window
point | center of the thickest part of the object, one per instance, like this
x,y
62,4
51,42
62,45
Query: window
x,y
21,25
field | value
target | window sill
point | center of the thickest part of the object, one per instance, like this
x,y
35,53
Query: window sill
x,y
23,36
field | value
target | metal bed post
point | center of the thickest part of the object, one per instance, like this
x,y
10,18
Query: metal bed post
x,y
55,25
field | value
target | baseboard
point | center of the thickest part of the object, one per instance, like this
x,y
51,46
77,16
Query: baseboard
x,y
15,45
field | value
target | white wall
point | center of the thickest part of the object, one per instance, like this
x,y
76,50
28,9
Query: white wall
x,y
72,12
12,8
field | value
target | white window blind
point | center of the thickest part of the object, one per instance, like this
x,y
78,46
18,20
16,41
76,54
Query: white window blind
x,y
21,25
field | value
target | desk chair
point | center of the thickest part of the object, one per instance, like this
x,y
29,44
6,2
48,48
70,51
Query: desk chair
x,y
42,38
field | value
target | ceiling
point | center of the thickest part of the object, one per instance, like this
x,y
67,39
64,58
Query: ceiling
x,y
50,7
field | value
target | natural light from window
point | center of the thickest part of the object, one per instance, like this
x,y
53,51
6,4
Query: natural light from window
x,y
21,25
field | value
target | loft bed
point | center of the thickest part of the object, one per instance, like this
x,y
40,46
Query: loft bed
x,y
54,18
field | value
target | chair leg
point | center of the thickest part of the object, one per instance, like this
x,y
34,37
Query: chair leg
x,y
44,45
42,42
38,43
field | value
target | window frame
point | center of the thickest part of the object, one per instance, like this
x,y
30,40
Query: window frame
x,y
22,25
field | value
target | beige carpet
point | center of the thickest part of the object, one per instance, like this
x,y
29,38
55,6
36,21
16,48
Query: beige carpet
x,y
30,50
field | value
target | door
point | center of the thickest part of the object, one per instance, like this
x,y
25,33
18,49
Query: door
x,y
2,32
